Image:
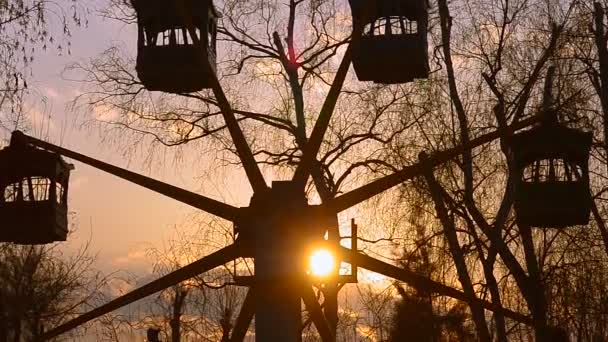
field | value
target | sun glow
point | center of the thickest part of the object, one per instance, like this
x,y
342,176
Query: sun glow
x,y
322,263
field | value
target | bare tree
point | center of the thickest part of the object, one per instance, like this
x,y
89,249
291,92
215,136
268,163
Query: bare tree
x,y
490,60
42,287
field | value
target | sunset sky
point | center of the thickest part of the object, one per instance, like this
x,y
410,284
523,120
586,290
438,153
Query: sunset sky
x,y
121,220
425,119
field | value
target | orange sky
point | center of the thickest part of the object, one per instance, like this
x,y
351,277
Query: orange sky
x,y
122,220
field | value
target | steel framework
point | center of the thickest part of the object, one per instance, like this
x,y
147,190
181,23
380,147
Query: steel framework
x,y
276,227
278,287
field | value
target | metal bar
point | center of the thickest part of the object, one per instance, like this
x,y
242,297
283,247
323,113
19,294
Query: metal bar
x,y
278,315
242,147
354,246
318,318
243,321
277,309
378,186
207,263
206,204
426,284
311,149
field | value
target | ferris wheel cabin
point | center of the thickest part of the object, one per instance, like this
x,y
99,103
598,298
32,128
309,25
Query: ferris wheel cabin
x,y
393,43
33,201
167,58
552,183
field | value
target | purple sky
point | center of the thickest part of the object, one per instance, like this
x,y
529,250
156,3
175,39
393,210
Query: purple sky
x,y
120,218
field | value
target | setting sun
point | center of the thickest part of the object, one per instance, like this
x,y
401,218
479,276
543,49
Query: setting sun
x,y
322,263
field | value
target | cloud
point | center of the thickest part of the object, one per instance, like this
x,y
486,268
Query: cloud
x,y
132,257
374,279
51,92
118,287
77,182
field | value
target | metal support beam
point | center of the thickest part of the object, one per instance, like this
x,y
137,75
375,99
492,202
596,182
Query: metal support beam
x,y
316,314
426,284
378,186
243,321
242,147
316,137
330,305
277,310
256,179
206,204
207,263
272,228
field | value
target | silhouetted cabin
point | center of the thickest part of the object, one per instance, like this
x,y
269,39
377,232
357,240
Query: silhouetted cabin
x,y
393,43
34,189
552,185
167,59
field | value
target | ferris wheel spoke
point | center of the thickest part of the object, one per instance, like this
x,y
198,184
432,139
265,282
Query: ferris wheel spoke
x,y
256,179
243,321
238,138
205,264
311,149
378,186
425,284
201,202
316,314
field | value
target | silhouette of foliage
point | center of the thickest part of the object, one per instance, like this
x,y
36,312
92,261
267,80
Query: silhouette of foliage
x,y
41,287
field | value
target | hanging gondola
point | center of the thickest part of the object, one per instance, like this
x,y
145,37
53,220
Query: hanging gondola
x,y
392,47
167,59
552,181
33,188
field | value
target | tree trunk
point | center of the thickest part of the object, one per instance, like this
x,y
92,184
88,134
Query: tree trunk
x,y
288,59
538,303
457,255
178,303
601,225
492,284
602,55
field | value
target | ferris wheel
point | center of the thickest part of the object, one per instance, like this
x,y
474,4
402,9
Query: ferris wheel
x,y
280,229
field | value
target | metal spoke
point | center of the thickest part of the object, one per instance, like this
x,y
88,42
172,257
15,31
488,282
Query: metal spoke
x,y
245,316
318,318
249,164
206,204
207,263
424,283
378,186
316,138
242,147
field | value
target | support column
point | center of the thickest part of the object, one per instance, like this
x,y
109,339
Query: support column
x,y
277,301
277,306
277,263
330,291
